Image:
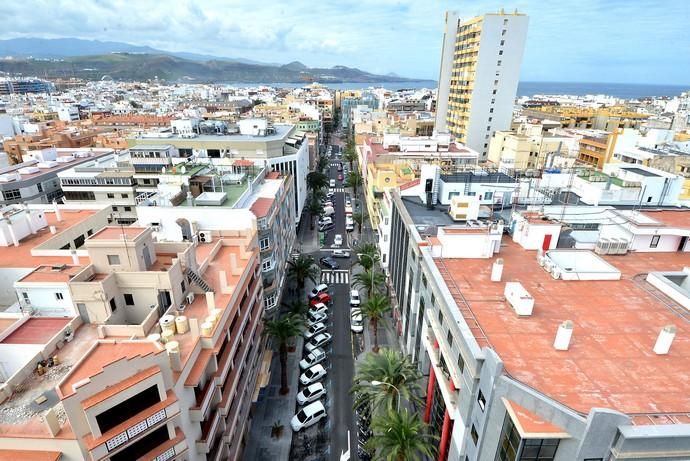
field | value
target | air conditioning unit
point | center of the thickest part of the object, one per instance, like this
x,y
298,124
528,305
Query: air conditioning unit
x,y
190,298
548,264
603,246
205,237
541,260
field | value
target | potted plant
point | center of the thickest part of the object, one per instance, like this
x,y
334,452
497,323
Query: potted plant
x,y
277,430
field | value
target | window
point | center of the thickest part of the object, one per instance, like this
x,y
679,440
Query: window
x,y
481,400
266,265
114,208
488,195
505,22
270,301
491,111
264,243
490,118
503,42
494,92
113,305
128,208
440,317
433,299
450,339
495,83
655,241
12,194
39,186
25,295
503,32
475,436
59,296
486,145
113,260
488,128
424,280
110,195
539,449
89,232
493,101
512,448
500,53
124,195
461,363
129,299
499,62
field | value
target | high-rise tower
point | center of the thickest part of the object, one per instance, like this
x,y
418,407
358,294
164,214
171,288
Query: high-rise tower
x,y
480,69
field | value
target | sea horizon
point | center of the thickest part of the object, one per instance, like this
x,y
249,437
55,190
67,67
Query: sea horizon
x,y
525,88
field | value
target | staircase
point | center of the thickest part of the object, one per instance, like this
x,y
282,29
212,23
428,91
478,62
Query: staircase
x,y
196,278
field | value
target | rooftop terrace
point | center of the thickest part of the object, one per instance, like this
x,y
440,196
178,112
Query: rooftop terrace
x,y
610,362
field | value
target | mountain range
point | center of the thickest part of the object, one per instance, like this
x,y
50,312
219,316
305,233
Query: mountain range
x,y
93,60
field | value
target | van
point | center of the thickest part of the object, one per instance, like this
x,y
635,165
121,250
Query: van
x,y
332,183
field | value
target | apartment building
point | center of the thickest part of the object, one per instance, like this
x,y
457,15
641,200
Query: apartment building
x,y
252,142
157,358
478,77
36,179
533,351
528,147
568,115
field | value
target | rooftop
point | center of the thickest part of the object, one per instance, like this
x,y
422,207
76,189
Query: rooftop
x,y
472,177
422,216
639,171
232,193
118,233
262,206
610,362
51,274
37,330
281,133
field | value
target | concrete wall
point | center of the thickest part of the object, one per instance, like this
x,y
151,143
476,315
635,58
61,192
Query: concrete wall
x,y
8,276
43,298
203,217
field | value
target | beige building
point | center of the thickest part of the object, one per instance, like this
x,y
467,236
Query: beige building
x,y
159,359
527,147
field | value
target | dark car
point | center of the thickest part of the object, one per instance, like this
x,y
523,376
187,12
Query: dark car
x,y
329,262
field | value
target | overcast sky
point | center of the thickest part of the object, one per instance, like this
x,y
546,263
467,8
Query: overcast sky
x,y
627,41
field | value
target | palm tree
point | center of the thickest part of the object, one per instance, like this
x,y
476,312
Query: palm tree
x,y
374,309
297,308
316,180
401,436
395,369
282,330
314,209
369,254
370,280
322,164
303,268
358,217
354,180
349,154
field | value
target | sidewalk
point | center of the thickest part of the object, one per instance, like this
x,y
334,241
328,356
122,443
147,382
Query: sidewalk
x,y
271,407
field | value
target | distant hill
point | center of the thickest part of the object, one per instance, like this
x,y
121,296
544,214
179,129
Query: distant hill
x,y
46,48
146,66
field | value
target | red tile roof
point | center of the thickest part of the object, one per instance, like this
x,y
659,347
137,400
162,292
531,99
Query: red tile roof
x,y
261,206
37,330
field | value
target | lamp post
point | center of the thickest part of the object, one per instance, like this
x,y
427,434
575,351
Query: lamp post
x,y
397,391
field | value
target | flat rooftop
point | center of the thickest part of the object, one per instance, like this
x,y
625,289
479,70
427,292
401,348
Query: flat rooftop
x,y
422,216
610,362
20,256
37,330
118,233
639,171
472,177
232,193
51,274
281,133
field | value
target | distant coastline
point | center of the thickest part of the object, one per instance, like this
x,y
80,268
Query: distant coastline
x,y
618,90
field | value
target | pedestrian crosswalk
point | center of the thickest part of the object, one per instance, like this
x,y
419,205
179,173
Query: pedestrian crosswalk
x,y
337,189
335,163
335,277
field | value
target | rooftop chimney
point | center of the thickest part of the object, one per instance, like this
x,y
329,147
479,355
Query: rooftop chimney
x,y
664,340
497,270
563,335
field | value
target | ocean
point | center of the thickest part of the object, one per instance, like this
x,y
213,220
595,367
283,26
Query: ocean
x,y
618,90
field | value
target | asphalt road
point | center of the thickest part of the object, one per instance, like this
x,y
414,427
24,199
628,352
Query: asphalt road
x,y
342,361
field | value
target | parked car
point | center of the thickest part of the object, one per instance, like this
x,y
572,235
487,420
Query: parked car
x,y
328,211
318,355
318,308
331,183
313,318
312,374
329,262
340,177
330,194
326,227
324,221
321,298
311,393
322,288
354,298
340,254
318,341
338,240
356,320
348,202
340,167
349,227
314,330
308,416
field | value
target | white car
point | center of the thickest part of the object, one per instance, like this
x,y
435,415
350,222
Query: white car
x,y
316,317
314,330
318,341
313,374
319,308
341,254
308,416
310,393
331,183
354,298
348,203
322,288
338,240
356,321
318,355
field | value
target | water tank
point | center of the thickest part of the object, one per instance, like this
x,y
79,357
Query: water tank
x,y
167,323
181,324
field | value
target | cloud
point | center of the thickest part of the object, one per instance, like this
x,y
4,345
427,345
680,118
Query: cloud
x,y
588,40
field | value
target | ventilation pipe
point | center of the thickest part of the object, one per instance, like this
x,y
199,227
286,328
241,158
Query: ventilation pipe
x,y
663,342
53,230
563,335
497,270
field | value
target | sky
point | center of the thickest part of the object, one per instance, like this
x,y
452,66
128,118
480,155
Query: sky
x,y
621,41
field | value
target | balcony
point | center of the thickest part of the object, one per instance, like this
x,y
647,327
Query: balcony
x,y
450,395
209,429
203,402
170,450
133,429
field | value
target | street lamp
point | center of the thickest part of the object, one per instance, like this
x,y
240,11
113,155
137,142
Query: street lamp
x,y
397,391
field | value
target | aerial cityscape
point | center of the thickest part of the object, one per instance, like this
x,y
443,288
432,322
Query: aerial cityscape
x,y
394,230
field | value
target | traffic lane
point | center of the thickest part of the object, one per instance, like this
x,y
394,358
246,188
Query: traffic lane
x,y
342,370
